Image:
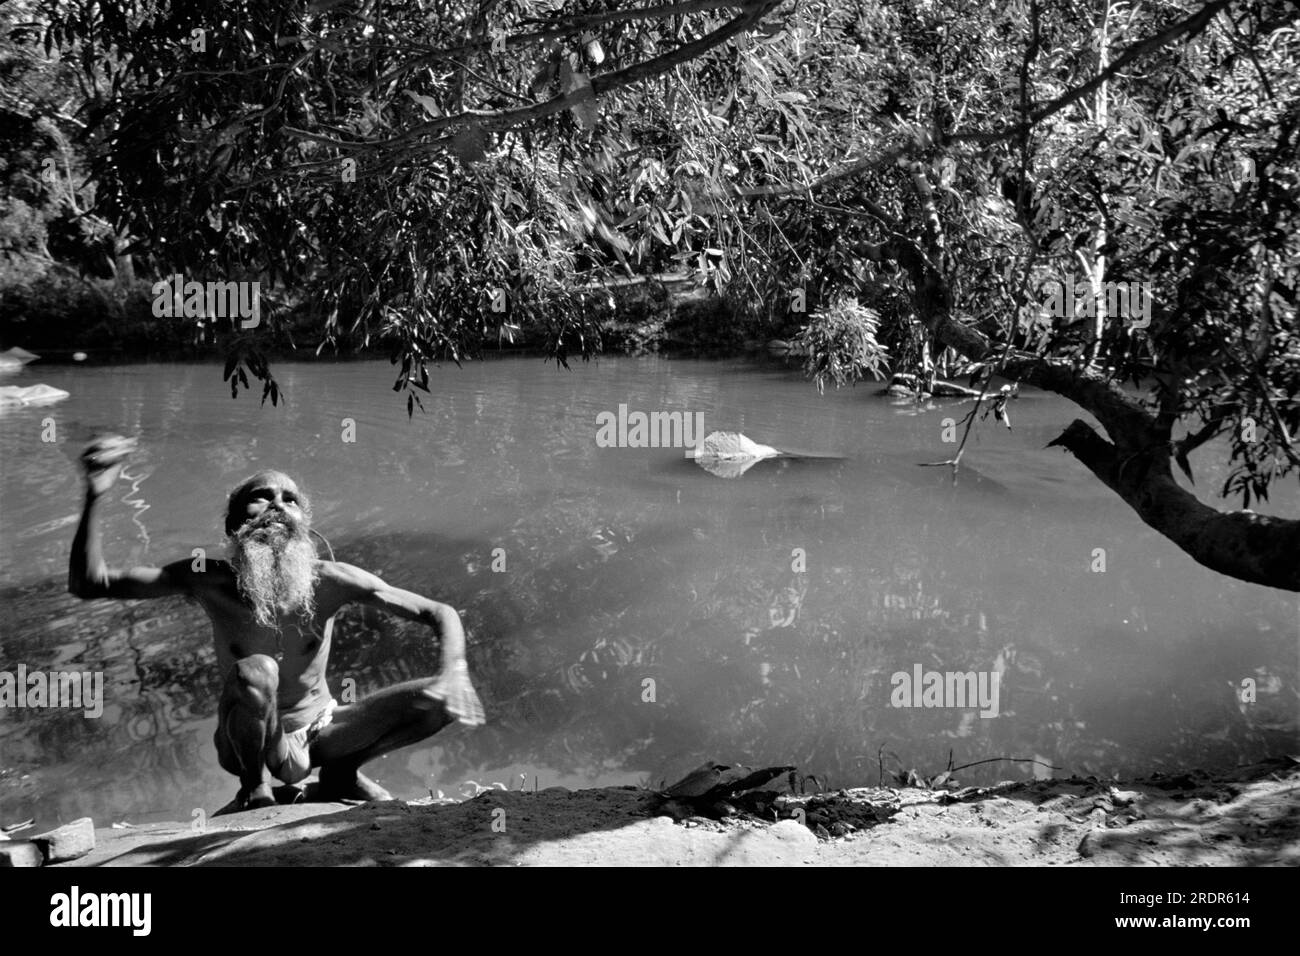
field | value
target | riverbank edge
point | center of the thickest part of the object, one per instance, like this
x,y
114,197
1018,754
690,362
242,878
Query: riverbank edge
x,y
685,339
1246,816
673,316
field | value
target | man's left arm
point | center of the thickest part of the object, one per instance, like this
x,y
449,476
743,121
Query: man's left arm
x,y
453,686
362,587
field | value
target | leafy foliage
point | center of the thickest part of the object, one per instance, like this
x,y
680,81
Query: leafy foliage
x,y
511,159
841,345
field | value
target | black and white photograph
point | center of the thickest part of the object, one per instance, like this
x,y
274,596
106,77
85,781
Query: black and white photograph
x,y
633,433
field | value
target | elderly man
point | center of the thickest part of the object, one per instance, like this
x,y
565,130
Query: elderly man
x,y
272,608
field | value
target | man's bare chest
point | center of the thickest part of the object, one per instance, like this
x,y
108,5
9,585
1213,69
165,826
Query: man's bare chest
x,y
296,640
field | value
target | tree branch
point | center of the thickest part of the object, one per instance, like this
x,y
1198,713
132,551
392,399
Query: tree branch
x,y
1258,548
566,27
1189,27
508,119
1135,464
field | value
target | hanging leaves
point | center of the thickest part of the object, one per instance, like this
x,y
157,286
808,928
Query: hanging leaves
x,y
429,104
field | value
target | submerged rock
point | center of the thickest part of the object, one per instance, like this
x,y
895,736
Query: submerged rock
x,y
730,454
31,395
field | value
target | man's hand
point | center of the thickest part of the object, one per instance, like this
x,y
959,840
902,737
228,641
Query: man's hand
x,y
103,460
88,575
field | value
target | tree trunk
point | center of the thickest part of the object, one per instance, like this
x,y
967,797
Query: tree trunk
x,y
1258,548
123,267
1095,268
1136,462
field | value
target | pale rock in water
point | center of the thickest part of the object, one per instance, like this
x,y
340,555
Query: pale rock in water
x,y
31,395
733,446
730,454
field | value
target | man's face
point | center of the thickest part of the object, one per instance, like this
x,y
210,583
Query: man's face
x,y
273,500
270,549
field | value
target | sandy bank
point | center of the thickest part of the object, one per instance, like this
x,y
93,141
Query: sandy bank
x,y
1247,816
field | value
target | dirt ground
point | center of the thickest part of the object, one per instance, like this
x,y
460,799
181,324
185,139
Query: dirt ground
x,y
1249,816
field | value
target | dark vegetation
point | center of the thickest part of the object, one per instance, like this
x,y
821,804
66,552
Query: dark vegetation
x,y
437,179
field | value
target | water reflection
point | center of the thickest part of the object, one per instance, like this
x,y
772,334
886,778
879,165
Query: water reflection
x,y
648,616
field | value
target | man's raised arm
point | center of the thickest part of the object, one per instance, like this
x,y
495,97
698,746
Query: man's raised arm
x,y
88,575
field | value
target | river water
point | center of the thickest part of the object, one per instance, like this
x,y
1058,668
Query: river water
x,y
630,614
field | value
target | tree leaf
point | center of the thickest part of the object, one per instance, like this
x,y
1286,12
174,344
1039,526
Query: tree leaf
x,y
429,104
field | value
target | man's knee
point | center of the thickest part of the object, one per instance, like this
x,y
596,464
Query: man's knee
x,y
254,680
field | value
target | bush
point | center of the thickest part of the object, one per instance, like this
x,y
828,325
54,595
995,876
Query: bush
x,y
841,344
51,307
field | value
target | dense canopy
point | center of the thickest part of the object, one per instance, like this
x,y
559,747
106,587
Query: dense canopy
x,y
902,184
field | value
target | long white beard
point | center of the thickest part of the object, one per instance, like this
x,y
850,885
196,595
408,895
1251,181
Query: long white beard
x,y
275,569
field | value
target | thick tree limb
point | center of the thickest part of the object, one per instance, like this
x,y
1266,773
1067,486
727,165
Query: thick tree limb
x,y
1135,463
1258,548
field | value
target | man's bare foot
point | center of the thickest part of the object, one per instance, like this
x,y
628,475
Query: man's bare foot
x,y
255,799
349,785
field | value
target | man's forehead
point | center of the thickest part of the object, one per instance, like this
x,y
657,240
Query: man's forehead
x,y
270,480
